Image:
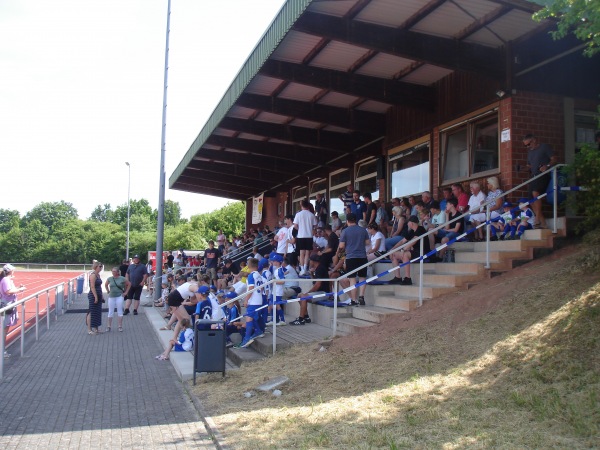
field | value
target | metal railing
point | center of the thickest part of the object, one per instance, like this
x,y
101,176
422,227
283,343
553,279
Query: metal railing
x,y
44,266
422,255
61,302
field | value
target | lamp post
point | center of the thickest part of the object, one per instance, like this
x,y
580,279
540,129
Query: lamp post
x,y
128,207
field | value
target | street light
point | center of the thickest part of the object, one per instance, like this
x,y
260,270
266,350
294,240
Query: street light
x,y
128,208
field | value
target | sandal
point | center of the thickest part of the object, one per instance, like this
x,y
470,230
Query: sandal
x,y
108,329
165,328
92,333
161,357
120,329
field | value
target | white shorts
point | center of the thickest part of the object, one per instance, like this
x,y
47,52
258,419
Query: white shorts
x,y
240,287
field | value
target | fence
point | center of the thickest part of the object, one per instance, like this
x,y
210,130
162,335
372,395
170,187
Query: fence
x,y
42,266
62,299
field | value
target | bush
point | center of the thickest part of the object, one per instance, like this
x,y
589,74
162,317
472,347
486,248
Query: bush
x,y
586,172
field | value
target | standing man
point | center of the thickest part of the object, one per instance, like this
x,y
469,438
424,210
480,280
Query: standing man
x,y
211,261
170,259
540,157
354,240
358,207
221,241
136,275
304,222
321,211
371,208
346,197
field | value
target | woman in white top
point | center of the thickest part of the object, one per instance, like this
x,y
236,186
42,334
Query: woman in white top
x,y
377,241
8,295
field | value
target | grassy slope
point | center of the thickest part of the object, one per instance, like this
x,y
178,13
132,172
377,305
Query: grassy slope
x,y
526,373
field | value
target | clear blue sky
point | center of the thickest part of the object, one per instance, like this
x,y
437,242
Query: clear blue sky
x,y
81,93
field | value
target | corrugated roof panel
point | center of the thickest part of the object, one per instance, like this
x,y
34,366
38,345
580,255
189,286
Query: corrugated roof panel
x,y
263,85
373,106
295,47
484,37
426,75
272,118
338,56
514,25
336,8
239,112
389,13
446,21
282,141
384,65
211,147
297,91
224,132
305,123
337,99
250,136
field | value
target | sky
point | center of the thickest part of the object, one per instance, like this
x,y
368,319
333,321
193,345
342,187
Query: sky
x,y
81,94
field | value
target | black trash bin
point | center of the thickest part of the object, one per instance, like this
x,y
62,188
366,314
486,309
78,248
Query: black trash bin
x,y
80,280
209,347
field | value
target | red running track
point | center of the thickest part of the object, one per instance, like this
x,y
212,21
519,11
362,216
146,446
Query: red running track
x,y
35,282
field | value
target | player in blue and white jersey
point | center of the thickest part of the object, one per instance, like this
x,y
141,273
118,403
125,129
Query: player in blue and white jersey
x,y
525,218
265,272
253,301
504,223
279,275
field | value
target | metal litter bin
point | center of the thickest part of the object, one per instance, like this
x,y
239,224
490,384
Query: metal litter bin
x,y
209,347
80,280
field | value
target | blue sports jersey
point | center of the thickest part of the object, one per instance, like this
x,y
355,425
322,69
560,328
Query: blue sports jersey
x,y
267,276
278,288
255,280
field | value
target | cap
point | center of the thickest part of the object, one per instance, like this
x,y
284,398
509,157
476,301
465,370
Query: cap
x,y
203,290
8,268
506,204
276,257
136,256
263,263
315,257
231,295
213,287
413,219
273,253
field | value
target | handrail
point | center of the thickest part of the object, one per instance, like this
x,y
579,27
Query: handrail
x,y
71,292
247,248
421,258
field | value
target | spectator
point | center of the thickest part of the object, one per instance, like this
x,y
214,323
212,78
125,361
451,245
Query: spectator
x,y
253,301
381,217
525,219
8,295
353,241
540,158
446,195
319,239
94,317
494,194
377,247
221,241
452,229
411,251
321,210
398,227
304,222
279,276
462,197
358,207
336,223
318,270
347,196
212,257
426,199
290,288
185,342
371,213
123,267
136,275
504,223
116,286
477,199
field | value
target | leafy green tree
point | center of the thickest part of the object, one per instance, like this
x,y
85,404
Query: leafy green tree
x,y
184,236
172,213
52,215
102,213
581,17
586,170
139,207
230,219
9,219
143,223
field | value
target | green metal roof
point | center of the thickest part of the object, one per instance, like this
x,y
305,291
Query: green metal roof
x,y
284,21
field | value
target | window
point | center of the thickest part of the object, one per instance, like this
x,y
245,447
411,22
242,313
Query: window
x,y
338,182
366,178
470,148
298,195
409,171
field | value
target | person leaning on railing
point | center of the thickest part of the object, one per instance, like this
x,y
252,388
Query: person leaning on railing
x,y
8,295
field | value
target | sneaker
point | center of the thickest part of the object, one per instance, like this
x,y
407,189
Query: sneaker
x,y
302,273
126,312
406,281
148,295
281,323
244,343
395,280
135,312
298,321
353,303
307,319
108,329
259,335
6,354
361,301
269,323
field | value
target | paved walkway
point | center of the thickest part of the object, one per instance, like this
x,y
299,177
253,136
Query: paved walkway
x,y
72,390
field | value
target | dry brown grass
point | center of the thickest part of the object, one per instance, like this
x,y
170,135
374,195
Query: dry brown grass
x,y
526,373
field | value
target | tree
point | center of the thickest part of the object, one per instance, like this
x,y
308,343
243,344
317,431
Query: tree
x,y
52,215
102,213
230,218
172,213
9,219
582,17
139,207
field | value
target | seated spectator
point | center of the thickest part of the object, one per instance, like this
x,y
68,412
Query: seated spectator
x,y
184,343
525,219
234,322
410,252
318,270
504,222
290,288
438,217
377,242
494,194
319,240
398,227
336,223
381,217
452,229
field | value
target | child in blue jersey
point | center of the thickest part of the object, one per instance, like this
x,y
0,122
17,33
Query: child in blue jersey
x,y
253,301
267,275
203,307
504,222
184,343
279,275
525,218
233,322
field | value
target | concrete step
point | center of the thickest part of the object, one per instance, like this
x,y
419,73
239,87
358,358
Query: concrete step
x,y
454,268
239,356
352,325
391,301
495,256
375,314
